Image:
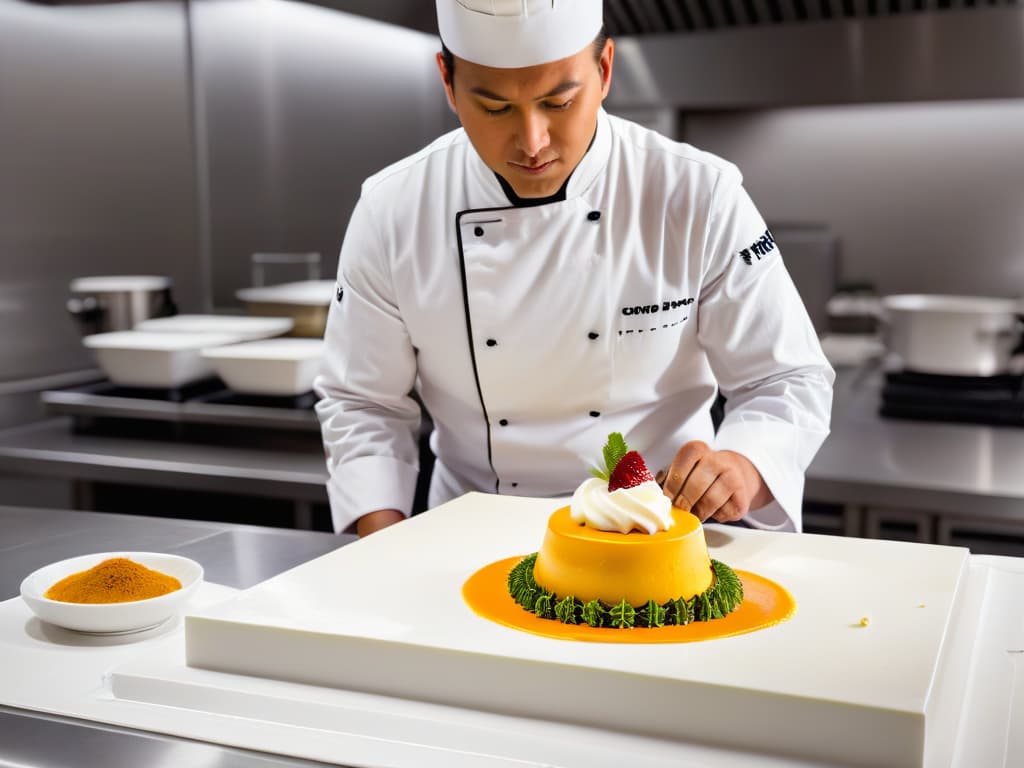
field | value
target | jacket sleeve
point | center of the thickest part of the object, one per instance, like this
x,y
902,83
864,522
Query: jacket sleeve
x,y
764,353
368,420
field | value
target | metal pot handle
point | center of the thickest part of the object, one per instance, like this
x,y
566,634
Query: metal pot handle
x,y
1004,334
87,311
1019,349
170,308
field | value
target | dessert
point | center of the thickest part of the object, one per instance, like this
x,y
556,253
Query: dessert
x,y
620,555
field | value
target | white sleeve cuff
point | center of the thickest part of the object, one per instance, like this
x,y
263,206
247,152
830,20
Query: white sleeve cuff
x,y
369,483
772,517
775,449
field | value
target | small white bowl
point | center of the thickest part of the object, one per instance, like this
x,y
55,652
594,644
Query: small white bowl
x,y
111,618
269,367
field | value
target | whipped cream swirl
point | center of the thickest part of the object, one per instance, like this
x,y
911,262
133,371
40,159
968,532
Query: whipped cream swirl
x,y
643,507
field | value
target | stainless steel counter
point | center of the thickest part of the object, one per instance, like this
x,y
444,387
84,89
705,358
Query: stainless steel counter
x,y
235,555
957,470
51,449
944,468
960,470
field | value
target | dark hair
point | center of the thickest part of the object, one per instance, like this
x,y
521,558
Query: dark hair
x,y
599,41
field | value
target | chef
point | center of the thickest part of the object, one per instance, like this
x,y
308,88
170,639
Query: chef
x,y
548,274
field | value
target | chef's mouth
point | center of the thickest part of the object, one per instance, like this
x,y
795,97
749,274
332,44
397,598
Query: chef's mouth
x,y
532,169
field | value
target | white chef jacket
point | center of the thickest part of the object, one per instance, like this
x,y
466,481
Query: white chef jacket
x,y
532,333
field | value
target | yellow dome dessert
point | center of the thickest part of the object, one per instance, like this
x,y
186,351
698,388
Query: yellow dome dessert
x,y
620,555
609,566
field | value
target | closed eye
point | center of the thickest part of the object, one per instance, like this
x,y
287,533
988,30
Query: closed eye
x,y
547,105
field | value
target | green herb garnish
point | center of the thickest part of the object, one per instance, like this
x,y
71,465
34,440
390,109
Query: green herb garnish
x,y
651,615
613,452
567,610
622,615
543,607
594,613
719,600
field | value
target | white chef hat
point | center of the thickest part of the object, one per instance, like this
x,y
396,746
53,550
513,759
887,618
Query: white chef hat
x,y
517,33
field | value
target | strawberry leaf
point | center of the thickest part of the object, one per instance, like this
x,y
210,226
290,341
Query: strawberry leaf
x,y
614,450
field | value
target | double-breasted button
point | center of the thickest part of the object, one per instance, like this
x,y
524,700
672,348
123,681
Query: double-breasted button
x,y
593,335
595,414
478,231
504,422
594,215
491,343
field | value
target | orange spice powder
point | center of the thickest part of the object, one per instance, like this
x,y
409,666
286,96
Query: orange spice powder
x,y
118,580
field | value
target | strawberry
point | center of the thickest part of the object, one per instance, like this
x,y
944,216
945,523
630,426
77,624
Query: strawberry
x,y
629,471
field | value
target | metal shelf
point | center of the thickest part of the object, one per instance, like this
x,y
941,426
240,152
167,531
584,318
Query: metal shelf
x,y
211,406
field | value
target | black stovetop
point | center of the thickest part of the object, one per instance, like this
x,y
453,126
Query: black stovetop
x,y
994,400
206,391
105,406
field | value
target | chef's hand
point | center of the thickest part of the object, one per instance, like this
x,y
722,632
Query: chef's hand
x,y
721,485
374,521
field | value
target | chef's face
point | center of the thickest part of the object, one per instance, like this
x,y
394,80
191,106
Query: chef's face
x,y
531,125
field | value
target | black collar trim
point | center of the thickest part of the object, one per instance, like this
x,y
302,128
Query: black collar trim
x,y
530,202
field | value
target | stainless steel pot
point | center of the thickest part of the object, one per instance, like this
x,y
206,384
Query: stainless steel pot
x,y
306,302
953,335
118,302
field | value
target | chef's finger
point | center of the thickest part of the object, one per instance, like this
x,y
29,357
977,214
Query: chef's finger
x,y
704,490
683,462
733,509
703,475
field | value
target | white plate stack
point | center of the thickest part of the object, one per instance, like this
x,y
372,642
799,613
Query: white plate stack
x,y
166,353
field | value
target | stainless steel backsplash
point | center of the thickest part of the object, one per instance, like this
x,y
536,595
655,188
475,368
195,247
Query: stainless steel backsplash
x,y
96,171
179,138
923,198
297,105
163,137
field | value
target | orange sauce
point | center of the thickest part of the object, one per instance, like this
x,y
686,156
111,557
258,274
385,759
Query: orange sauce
x,y
765,604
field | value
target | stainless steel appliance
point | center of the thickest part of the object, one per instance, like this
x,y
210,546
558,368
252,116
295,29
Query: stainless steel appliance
x,y
953,335
953,358
119,302
306,302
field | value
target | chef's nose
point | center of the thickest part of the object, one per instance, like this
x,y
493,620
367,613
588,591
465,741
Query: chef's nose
x,y
533,133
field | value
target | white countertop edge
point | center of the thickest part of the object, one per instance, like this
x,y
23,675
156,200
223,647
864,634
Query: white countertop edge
x,y
85,673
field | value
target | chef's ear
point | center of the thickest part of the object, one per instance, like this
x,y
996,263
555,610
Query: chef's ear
x,y
446,80
605,66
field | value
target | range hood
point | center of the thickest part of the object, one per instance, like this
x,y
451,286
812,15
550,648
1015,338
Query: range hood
x,y
752,54
658,17
973,52
639,18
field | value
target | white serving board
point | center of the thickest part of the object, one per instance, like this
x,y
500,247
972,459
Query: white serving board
x,y
385,616
143,683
